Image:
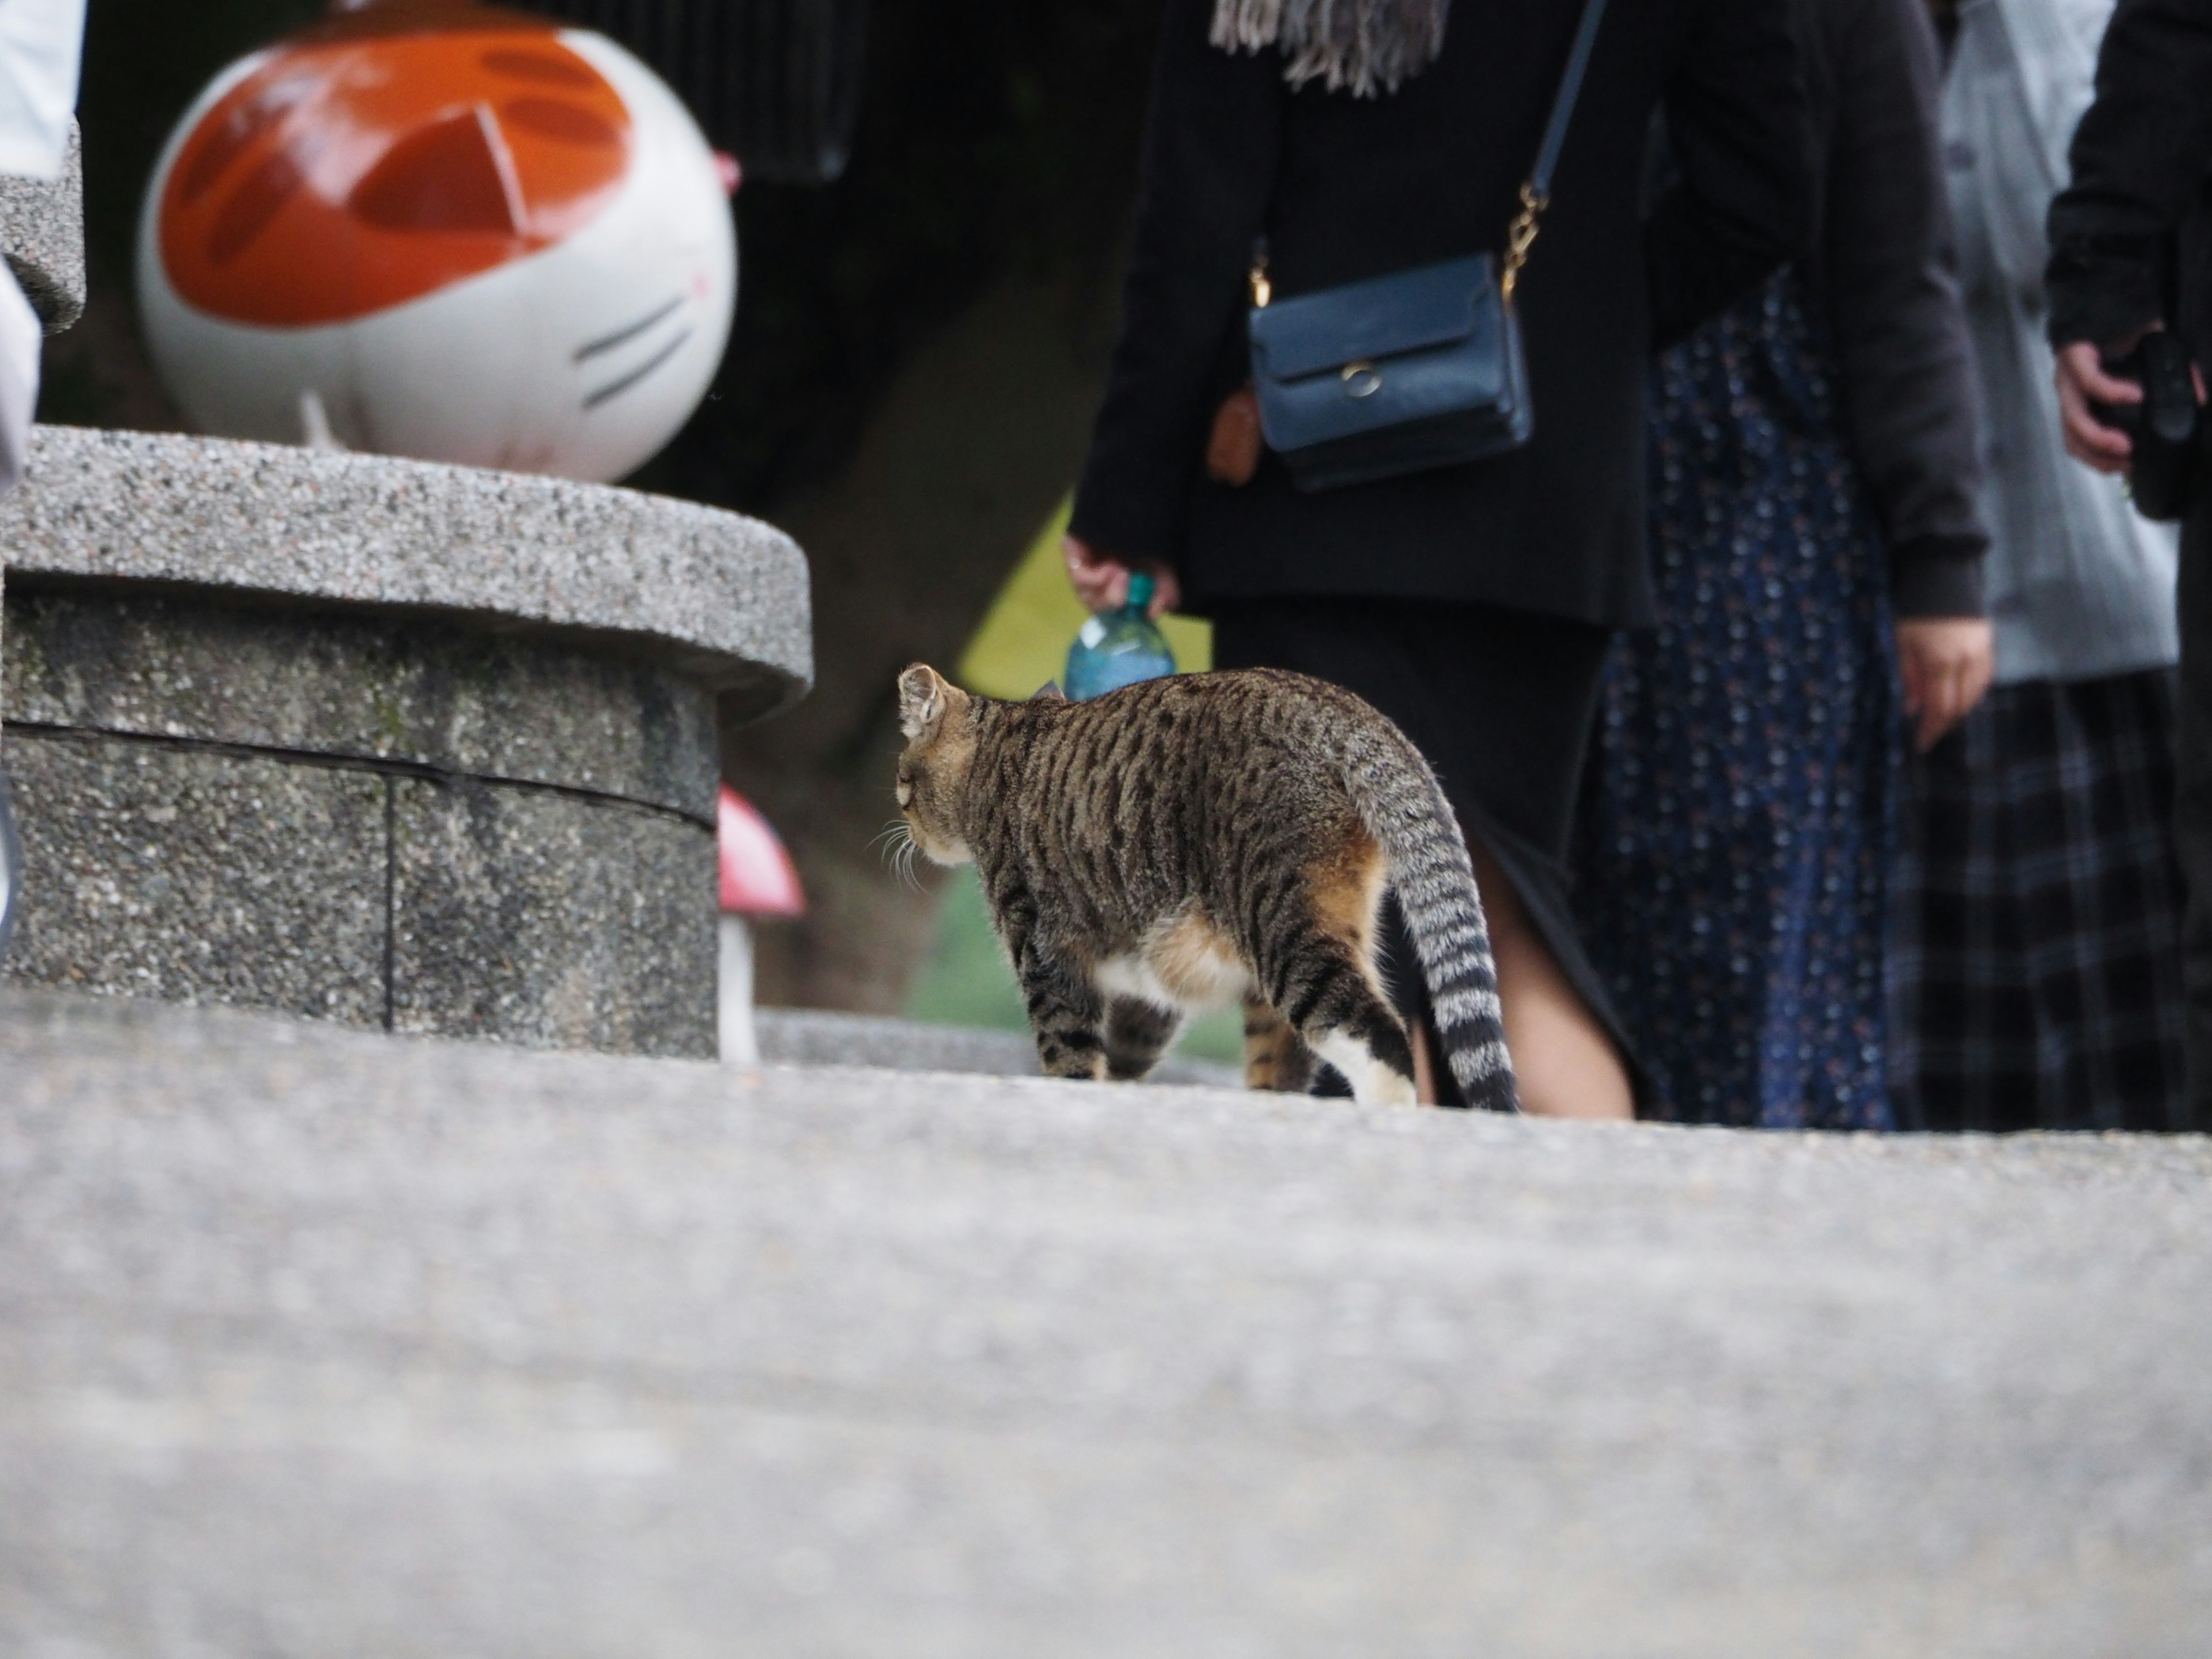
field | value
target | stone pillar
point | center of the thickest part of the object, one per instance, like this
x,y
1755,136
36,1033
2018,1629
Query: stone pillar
x,y
411,746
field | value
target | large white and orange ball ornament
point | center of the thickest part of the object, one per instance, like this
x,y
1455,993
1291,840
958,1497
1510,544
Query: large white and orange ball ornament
x,y
434,228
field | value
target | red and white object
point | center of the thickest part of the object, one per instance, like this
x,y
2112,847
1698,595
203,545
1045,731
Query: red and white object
x,y
758,879
434,228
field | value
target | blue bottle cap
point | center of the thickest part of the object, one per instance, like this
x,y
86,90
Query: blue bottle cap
x,y
1140,590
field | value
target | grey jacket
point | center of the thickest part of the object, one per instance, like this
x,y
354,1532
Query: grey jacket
x,y
2079,585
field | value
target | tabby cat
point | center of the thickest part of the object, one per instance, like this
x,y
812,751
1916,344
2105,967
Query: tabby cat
x,y
1187,841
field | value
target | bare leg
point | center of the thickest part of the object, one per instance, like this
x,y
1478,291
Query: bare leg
x,y
1566,1064
1424,1065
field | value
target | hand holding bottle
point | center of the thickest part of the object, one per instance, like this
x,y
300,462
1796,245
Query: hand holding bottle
x,y
1102,582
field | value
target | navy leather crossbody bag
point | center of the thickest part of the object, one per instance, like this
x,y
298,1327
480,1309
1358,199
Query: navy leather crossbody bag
x,y
1421,368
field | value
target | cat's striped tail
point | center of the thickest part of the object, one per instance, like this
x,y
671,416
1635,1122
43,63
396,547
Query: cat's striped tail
x,y
1398,799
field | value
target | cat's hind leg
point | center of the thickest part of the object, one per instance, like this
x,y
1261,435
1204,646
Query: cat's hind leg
x,y
1318,971
1275,1057
1331,998
1360,1035
1138,1033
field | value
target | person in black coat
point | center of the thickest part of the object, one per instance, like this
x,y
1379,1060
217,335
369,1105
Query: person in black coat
x,y
2131,250
1473,604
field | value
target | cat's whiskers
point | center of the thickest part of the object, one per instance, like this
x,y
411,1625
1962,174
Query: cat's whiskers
x,y
899,852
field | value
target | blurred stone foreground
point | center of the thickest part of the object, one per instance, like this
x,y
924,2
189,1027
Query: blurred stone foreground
x,y
315,1342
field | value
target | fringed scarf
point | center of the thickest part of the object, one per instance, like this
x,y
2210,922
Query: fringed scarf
x,y
1369,46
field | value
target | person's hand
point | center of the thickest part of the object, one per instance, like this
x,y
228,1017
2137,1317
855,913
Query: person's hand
x,y
1102,582
2083,380
1945,663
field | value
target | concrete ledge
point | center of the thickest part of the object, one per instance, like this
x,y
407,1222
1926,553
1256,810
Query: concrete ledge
x,y
720,598
42,237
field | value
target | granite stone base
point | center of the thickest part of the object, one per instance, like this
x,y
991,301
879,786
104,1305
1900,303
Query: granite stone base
x,y
197,876
549,920
386,821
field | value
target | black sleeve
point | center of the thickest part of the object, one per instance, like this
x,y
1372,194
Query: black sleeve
x,y
1742,202
1208,171
2138,161
1888,269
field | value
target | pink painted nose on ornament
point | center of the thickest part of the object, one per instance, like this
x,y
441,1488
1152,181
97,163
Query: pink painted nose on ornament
x,y
436,229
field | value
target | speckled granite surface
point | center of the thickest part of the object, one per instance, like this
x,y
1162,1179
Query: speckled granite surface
x,y
718,598
42,237
198,877
320,1344
187,665
453,907
551,921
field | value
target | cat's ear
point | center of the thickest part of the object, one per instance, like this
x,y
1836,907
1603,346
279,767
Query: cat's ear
x,y
1049,692
924,696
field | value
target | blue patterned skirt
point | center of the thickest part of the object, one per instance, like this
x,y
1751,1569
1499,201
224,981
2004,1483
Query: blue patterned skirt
x,y
1739,810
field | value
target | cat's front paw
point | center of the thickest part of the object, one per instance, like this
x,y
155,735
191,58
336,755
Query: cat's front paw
x,y
1060,1059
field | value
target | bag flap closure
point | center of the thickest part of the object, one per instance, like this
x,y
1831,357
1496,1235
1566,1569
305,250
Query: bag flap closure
x,y
1382,317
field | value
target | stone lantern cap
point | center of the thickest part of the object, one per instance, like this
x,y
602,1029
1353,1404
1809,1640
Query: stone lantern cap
x,y
42,237
720,598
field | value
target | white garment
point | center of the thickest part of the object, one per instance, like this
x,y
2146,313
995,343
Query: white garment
x,y
2080,584
20,335
41,42
41,45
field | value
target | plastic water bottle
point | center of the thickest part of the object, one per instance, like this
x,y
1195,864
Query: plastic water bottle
x,y
1119,650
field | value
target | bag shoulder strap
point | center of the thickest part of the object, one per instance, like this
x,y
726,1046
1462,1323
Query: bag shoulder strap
x,y
1563,101
1536,193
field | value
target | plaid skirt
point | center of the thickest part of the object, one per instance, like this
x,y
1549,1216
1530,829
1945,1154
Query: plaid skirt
x,y
2036,979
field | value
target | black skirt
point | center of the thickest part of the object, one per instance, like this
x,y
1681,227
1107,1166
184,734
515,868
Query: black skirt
x,y
1501,702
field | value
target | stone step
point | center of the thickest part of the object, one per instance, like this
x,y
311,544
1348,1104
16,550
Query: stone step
x,y
327,1343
